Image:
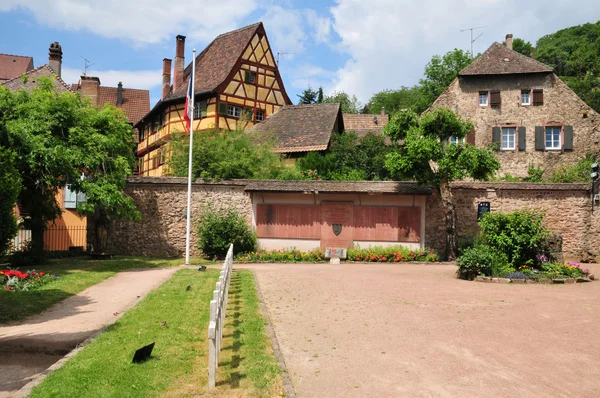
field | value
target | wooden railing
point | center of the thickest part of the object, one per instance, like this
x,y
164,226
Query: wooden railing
x,y
218,305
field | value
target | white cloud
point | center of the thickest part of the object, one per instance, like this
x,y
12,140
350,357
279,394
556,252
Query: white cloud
x,y
140,79
140,21
390,41
285,30
320,26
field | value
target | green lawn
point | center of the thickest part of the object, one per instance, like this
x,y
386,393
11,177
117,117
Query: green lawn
x,y
178,366
76,274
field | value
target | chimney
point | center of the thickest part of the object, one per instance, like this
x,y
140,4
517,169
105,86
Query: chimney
x,y
179,61
120,94
55,58
382,111
166,77
509,41
90,88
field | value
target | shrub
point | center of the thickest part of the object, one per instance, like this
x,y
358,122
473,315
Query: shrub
x,y
519,234
480,260
391,254
291,255
10,187
218,229
578,172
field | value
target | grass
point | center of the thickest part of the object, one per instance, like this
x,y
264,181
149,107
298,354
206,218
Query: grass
x,y
76,274
178,366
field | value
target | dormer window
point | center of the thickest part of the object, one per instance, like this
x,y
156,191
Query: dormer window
x,y
484,99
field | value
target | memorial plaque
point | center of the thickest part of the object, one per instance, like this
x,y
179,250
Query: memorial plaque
x,y
409,223
342,214
482,209
288,221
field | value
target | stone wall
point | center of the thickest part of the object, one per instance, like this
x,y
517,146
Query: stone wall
x,y
567,209
561,107
163,204
163,201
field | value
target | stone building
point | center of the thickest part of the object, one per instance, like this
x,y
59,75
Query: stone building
x,y
524,108
237,84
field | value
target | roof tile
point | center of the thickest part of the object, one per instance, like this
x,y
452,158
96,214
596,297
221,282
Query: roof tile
x,y
362,124
32,77
12,66
499,60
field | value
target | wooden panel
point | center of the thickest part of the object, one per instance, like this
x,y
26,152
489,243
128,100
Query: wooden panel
x,y
334,213
288,221
409,223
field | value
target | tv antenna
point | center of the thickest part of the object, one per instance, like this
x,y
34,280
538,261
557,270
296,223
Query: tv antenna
x,y
473,39
278,54
86,65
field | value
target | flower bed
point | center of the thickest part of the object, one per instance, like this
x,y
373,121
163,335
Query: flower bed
x,y
15,280
392,254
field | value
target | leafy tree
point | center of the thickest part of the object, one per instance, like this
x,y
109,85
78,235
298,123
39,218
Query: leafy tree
x,y
406,98
441,71
522,46
57,138
221,154
10,187
350,104
426,156
308,96
320,96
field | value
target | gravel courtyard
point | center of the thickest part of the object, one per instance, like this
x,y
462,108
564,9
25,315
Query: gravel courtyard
x,y
414,330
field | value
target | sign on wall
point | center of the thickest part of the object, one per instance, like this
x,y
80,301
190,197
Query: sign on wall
x,y
482,209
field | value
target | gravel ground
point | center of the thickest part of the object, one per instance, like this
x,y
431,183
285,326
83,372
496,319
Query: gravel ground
x,y
414,330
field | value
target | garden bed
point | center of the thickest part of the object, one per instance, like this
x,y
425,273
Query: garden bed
x,y
543,281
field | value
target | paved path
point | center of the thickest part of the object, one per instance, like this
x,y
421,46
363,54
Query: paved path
x,y
32,345
407,330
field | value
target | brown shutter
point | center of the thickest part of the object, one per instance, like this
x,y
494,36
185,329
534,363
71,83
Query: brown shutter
x,y
538,97
522,141
222,108
568,132
496,137
471,137
540,138
495,98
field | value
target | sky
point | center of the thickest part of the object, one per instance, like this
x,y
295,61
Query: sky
x,y
357,46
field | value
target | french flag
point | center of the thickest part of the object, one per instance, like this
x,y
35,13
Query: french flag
x,y
189,103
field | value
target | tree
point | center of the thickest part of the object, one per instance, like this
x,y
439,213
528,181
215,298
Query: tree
x,y
350,104
521,46
405,98
308,96
320,95
441,71
10,187
60,139
219,154
426,155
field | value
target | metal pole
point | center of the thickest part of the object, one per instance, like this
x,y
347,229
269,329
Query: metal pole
x,y
189,195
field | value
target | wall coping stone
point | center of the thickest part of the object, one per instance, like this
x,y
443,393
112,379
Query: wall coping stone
x,y
520,186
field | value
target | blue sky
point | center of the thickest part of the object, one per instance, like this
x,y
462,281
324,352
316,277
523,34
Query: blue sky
x,y
357,46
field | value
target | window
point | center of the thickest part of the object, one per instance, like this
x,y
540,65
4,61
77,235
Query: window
x,y
72,198
200,109
525,97
553,137
483,98
260,115
508,138
234,111
141,133
250,77
454,140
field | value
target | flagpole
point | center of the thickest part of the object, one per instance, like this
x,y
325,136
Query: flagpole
x,y
189,193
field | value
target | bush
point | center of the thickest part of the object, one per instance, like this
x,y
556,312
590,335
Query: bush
x,y
391,254
578,172
480,260
291,255
10,187
218,229
519,234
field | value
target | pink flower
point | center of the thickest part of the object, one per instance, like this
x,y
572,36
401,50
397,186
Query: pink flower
x,y
585,271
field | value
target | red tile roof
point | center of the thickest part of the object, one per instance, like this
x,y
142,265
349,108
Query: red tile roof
x,y
136,103
12,66
302,128
29,79
215,62
362,124
499,60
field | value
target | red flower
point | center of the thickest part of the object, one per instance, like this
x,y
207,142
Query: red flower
x,y
41,274
312,173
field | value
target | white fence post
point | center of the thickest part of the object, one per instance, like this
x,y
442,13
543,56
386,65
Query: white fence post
x,y
218,307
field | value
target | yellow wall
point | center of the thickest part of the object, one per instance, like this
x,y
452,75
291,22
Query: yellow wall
x,y
66,231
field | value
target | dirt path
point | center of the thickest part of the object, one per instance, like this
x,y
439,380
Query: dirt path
x,y
32,345
406,330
